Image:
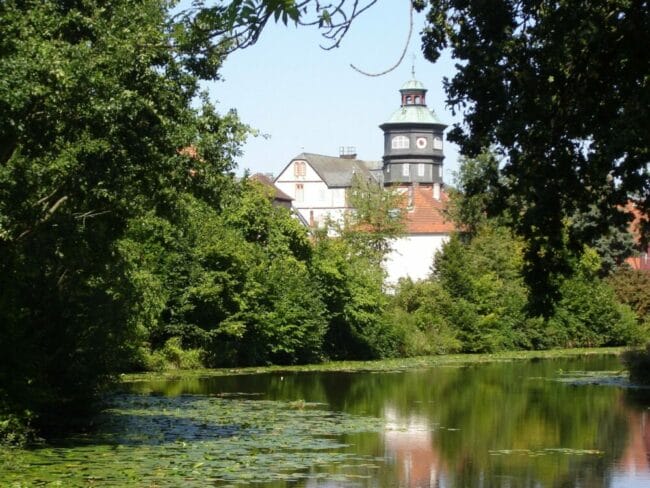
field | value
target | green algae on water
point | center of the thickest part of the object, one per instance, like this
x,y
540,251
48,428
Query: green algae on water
x,y
196,441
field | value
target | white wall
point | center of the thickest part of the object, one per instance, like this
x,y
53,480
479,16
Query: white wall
x,y
412,256
319,201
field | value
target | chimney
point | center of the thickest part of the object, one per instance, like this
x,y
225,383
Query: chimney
x,y
348,152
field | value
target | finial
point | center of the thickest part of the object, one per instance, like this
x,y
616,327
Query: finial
x,y
413,66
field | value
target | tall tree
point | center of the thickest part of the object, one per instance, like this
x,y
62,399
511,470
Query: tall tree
x,y
559,88
96,110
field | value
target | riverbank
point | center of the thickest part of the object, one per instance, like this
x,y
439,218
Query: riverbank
x,y
397,364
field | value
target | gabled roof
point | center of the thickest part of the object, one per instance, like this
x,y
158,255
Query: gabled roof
x,y
337,172
266,181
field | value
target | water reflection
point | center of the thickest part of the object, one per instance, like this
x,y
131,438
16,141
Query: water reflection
x,y
502,424
551,423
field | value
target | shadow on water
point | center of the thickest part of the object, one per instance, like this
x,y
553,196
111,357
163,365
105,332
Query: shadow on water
x,y
550,423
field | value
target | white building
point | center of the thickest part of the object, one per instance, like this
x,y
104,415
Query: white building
x,y
412,163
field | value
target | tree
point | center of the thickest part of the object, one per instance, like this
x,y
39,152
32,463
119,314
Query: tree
x,y
96,114
376,218
560,90
474,193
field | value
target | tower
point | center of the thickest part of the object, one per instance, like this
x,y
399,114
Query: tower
x,y
413,147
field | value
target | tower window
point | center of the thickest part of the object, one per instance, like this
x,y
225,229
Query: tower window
x,y
420,169
437,143
405,170
409,100
299,168
400,142
417,100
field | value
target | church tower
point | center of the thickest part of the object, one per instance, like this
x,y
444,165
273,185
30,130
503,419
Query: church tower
x,y
413,147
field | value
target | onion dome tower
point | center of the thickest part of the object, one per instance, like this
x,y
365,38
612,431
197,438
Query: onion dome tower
x,y
413,140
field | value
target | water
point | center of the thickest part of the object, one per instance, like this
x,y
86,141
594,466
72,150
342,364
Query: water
x,y
544,423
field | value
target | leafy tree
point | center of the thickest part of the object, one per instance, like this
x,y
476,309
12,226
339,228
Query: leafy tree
x,y
632,287
351,287
588,314
487,296
475,192
376,219
560,90
96,114
417,313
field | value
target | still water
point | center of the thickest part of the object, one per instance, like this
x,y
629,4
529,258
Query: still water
x,y
538,423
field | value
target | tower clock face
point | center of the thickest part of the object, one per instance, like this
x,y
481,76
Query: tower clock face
x,y
421,142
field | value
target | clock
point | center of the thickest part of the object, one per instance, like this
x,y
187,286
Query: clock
x,y
421,142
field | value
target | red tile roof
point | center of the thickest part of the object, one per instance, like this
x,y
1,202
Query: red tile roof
x,y
427,216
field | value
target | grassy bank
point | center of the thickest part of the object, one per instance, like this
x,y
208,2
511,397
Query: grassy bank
x,y
386,364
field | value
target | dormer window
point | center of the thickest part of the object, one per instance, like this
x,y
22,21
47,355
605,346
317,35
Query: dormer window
x,y
400,142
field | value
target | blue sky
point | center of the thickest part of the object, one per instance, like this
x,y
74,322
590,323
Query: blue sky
x,y
308,99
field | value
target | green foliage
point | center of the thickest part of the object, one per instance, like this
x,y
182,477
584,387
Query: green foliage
x,y
477,301
422,328
377,218
96,114
351,287
588,315
632,287
476,182
559,89
284,317
171,356
487,296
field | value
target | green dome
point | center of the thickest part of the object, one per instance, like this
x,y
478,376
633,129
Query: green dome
x,y
413,114
412,85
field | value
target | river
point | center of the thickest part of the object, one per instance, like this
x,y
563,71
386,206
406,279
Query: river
x,y
525,423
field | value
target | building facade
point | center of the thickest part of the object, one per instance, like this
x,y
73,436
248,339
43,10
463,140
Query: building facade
x,y
412,164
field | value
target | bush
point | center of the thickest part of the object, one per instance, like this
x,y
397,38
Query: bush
x,y
632,287
588,313
15,430
416,313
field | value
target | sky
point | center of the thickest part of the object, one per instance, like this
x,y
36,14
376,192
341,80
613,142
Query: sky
x,y
303,98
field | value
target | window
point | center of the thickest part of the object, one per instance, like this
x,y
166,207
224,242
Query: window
x,y
299,168
300,192
400,142
437,143
439,171
420,169
409,100
417,100
405,170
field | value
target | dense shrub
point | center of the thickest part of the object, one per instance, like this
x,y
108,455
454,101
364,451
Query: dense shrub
x,y
421,326
476,301
351,287
632,287
487,296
